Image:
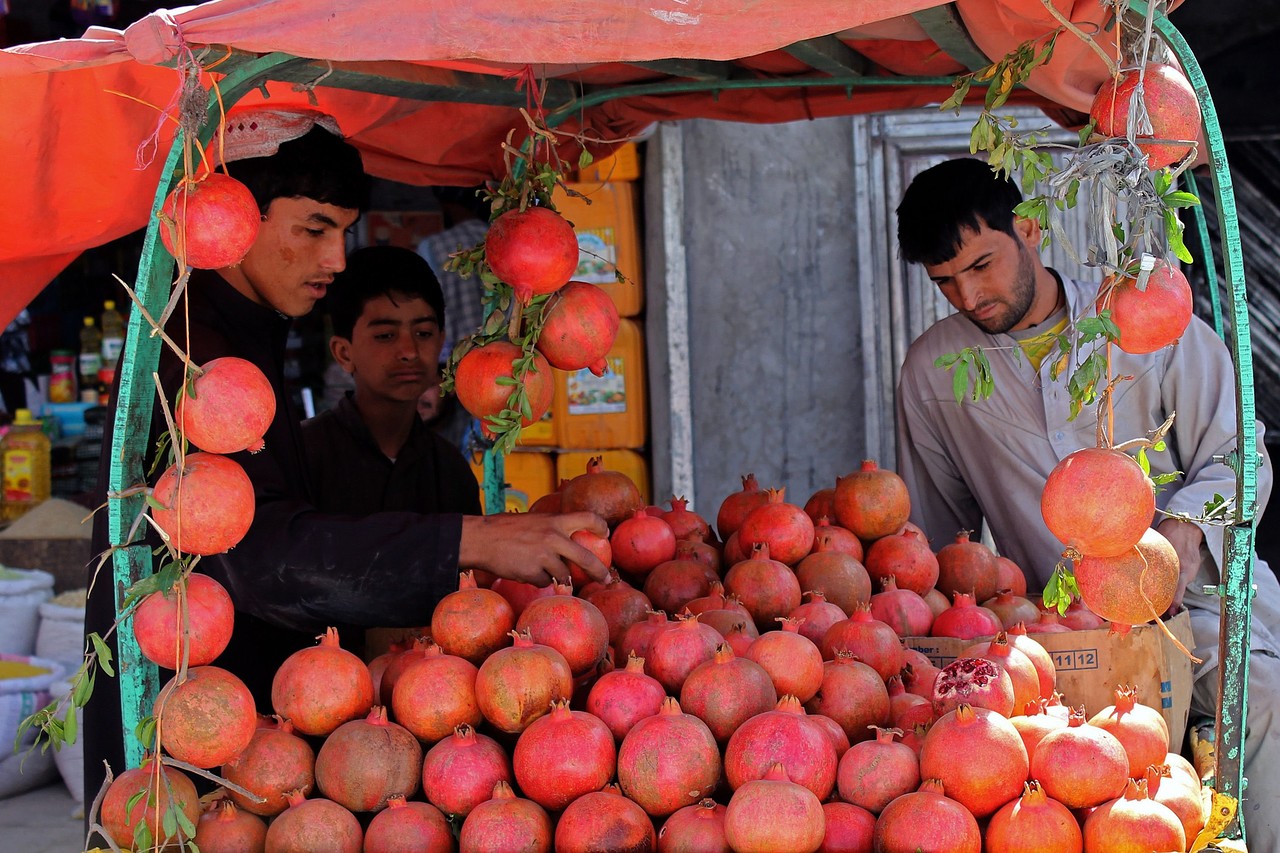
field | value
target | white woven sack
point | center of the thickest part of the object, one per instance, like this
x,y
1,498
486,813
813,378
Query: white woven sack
x,y
19,698
60,636
20,600
70,759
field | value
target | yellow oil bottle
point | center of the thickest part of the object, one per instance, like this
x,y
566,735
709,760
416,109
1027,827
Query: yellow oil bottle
x,y
25,454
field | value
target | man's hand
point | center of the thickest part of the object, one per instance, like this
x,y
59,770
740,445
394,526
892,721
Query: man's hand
x,y
1186,539
530,547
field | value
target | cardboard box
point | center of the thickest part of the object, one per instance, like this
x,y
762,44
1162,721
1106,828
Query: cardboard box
x,y
1091,664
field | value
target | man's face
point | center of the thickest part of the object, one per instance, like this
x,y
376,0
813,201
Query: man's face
x,y
394,351
301,245
992,278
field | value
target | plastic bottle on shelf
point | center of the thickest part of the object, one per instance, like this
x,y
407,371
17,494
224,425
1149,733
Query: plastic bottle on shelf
x,y
90,360
112,334
62,376
25,452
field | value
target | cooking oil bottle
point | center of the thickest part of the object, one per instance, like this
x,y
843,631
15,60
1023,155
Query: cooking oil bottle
x,y
25,454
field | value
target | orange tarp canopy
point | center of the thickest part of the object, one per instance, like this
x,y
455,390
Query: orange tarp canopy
x,y
85,132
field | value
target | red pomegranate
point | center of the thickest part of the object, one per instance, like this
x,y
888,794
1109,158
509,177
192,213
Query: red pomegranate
x,y
641,542
483,382
138,799
685,523
1134,587
1080,618
624,697
1141,729
766,587
738,631
1033,821
196,610
966,620
994,764
638,640
580,323
835,574
209,223
366,762
1081,766
562,756
816,615
1153,318
853,694
572,626
1039,656
970,567
901,609
1133,821
784,527
703,552
515,685
1170,104
321,687
609,494
726,691
698,828
927,819
519,594
604,820
937,602
907,709
849,829
436,694
1022,672
223,828
792,660
733,553
834,732
229,407
668,761
716,599
208,718
735,507
276,760
973,681
783,735
472,623
918,679
398,665
459,772
1012,609
796,823
838,539
874,773
1098,501
506,824
599,547
534,250
205,506
677,651
1009,576
406,826
622,606
868,639
1182,799
311,825
872,502
676,583
1048,623
1033,724
378,666
821,504
905,557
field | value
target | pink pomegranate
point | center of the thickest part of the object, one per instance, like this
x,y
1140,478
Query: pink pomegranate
x,y
1039,656
223,828
874,773
676,583
796,822
622,606
209,223
580,323
784,527
821,504
1022,672
835,574
853,694
906,558
197,611
472,623
937,601
868,639
366,762
516,685
1048,623
737,631
436,694
1081,766
604,820
230,409
1153,318
506,824
311,825
1134,587
1098,501
406,826
685,523
766,587
483,380
641,542
1033,724
727,691
1009,576
638,640
698,828
849,829
970,567
609,494
816,615
624,697
907,709
205,505
872,502
572,626
677,651
1011,608
1171,105
717,599
793,662
137,800
1182,799
1141,729
208,717
1133,821
534,250
1033,821
966,620
995,761
835,734
276,760
1080,618
927,819
836,538
459,772
919,678
703,552
519,594
735,507
973,681
562,756
783,735
668,761
901,609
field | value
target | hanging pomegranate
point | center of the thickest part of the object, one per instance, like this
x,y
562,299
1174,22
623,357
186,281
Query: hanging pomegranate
x,y
534,250
1098,501
209,717
1171,105
227,408
483,382
1153,318
159,626
210,223
1134,587
205,506
580,325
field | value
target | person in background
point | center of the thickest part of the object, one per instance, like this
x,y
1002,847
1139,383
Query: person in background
x,y
988,460
300,569
15,363
466,222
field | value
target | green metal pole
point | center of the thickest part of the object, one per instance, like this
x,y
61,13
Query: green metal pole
x,y
1206,248
139,678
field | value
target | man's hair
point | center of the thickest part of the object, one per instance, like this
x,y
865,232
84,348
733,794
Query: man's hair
x,y
948,199
317,165
380,271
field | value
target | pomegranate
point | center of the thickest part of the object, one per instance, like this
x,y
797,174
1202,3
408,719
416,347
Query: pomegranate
x,y
472,623
515,685
1133,821
868,639
276,760
1098,501
927,819
397,666
675,583
580,323
872,502
784,527
735,507
572,626
853,694
1134,587
484,381
793,662
549,503
459,772
815,616
196,611
609,494
835,574
1081,766
378,666
534,250
907,709
767,588
835,734
209,223
668,761
737,631
685,523
901,609
223,828
726,691
604,820
639,638
519,594
562,756
1170,104
436,693
906,558
783,735
677,651
966,620
937,601
1182,799
205,505
1080,618
874,773
229,407
973,681
624,697
919,678
716,599
599,547
1011,608
208,717
365,762
965,566
311,825
1141,729
703,552
698,828
849,829
1022,672
622,606
1039,656
994,766
403,827
1033,821
821,504
137,801
1153,318
1009,576
1048,623
641,542
506,824
1033,724
733,553
838,539
796,823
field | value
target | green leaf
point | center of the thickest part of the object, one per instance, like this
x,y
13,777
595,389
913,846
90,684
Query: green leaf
x,y
82,689
1165,479
103,652
1143,462
145,731
1162,181
585,159
169,822
188,828
134,800
946,360
506,381
1181,199
1159,446
1086,132
69,727
960,381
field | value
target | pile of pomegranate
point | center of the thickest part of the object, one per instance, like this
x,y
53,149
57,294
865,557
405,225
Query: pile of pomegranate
x,y
776,708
